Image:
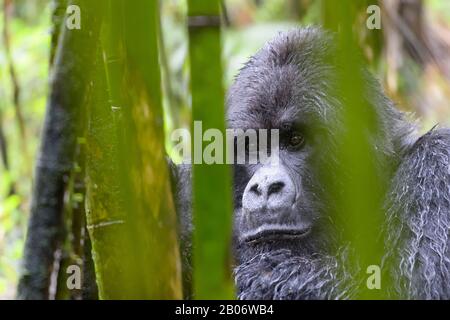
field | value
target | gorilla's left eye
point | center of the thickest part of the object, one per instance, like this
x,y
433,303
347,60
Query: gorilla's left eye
x,y
296,140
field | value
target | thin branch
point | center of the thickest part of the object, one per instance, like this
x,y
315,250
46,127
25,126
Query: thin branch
x,y
3,146
7,8
4,154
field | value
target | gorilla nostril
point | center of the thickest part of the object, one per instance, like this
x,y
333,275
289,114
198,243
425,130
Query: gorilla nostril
x,y
255,189
275,188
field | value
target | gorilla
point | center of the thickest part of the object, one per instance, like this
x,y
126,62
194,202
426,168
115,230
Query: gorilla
x,y
286,241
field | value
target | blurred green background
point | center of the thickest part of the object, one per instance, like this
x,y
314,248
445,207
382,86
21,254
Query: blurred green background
x,y
414,70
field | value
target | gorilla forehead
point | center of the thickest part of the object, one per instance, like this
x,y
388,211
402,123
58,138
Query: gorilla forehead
x,y
285,81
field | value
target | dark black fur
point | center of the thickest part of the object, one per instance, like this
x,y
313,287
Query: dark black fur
x,y
291,80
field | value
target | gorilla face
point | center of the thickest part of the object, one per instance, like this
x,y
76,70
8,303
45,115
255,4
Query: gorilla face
x,y
276,202
282,205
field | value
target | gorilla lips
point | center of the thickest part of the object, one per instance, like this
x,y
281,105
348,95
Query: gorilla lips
x,y
275,232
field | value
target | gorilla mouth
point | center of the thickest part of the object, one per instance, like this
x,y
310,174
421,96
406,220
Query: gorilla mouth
x,y
275,232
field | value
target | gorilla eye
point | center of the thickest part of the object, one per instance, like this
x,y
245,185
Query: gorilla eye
x,y
296,140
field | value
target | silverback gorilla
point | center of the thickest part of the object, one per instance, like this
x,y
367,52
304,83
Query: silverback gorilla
x,y
285,242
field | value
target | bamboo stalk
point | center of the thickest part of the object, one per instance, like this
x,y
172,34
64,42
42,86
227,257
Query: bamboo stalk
x,y
68,87
211,183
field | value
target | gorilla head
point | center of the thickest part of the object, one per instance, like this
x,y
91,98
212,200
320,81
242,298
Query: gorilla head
x,y
289,85
282,212
287,240
273,91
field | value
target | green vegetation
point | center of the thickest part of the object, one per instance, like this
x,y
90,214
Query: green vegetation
x,y
146,70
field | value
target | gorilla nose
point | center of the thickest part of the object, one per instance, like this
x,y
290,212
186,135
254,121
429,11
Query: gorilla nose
x,y
270,188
